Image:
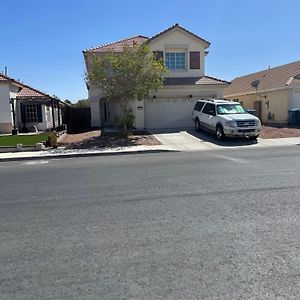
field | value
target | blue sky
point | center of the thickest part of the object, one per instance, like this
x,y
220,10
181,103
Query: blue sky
x,y
41,41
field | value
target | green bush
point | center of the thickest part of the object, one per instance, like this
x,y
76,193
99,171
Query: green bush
x,y
129,119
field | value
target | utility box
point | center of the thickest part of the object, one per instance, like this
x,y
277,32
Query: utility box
x,y
294,117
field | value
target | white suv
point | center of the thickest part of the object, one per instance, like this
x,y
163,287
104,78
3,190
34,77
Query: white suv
x,y
225,118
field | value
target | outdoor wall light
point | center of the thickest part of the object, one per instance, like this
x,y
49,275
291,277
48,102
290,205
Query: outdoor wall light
x,y
267,103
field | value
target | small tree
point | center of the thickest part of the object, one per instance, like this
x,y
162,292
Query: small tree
x,y
67,101
130,75
82,103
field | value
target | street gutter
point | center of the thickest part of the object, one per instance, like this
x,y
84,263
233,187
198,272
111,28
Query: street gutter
x,y
87,154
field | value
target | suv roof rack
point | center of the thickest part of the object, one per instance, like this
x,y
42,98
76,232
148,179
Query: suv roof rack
x,y
208,99
216,100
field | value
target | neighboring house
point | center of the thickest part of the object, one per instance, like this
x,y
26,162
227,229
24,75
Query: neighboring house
x,y
27,106
170,107
278,91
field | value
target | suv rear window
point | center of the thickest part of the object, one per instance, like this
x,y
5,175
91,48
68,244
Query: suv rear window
x,y
198,106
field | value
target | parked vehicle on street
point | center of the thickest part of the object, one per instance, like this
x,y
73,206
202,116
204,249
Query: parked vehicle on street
x,y
225,118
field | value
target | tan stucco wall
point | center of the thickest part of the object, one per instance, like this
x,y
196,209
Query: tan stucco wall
x,y
179,39
278,104
197,92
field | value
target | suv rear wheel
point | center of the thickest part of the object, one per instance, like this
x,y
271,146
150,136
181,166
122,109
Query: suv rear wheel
x,y
220,133
197,125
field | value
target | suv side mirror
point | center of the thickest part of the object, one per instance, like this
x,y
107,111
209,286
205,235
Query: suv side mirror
x,y
212,113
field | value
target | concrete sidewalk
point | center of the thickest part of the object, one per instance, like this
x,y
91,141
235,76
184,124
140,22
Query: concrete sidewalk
x,y
182,141
62,153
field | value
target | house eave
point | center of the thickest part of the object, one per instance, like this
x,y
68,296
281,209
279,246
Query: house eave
x,y
259,91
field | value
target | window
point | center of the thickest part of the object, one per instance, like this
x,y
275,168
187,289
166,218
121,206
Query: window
x,y
199,106
209,109
175,60
31,113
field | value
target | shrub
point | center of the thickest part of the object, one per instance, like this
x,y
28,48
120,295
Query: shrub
x,y
128,119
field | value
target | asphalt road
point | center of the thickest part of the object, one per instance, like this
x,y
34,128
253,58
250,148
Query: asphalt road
x,y
206,225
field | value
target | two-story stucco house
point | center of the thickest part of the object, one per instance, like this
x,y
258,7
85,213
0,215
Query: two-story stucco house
x,y
170,107
23,107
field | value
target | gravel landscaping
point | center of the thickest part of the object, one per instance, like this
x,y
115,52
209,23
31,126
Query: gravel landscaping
x,y
98,140
268,132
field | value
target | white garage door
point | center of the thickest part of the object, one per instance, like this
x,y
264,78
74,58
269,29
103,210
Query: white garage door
x,y
169,113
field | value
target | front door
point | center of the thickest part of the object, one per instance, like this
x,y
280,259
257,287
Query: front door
x,y
105,112
257,107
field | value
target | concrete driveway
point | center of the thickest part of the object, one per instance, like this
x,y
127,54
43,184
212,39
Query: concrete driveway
x,y
190,140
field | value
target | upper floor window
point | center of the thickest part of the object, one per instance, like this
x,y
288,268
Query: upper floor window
x,y
175,60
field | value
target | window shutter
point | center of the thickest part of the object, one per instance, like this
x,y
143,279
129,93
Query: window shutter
x,y
194,60
158,55
23,113
39,113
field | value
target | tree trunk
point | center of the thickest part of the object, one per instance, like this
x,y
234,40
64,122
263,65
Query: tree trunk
x,y
124,104
125,129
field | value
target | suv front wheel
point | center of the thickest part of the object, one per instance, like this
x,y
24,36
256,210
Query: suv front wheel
x,y
253,138
220,133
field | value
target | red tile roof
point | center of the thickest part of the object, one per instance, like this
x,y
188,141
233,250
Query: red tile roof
x,y
118,45
26,91
2,78
278,77
139,39
204,80
212,80
30,92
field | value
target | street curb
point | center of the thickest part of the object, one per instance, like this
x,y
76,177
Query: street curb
x,y
76,155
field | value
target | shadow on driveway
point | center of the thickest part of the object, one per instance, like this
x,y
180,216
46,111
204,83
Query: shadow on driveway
x,y
204,136
227,142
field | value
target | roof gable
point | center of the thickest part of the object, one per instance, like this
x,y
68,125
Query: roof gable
x,y
140,39
278,77
181,29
